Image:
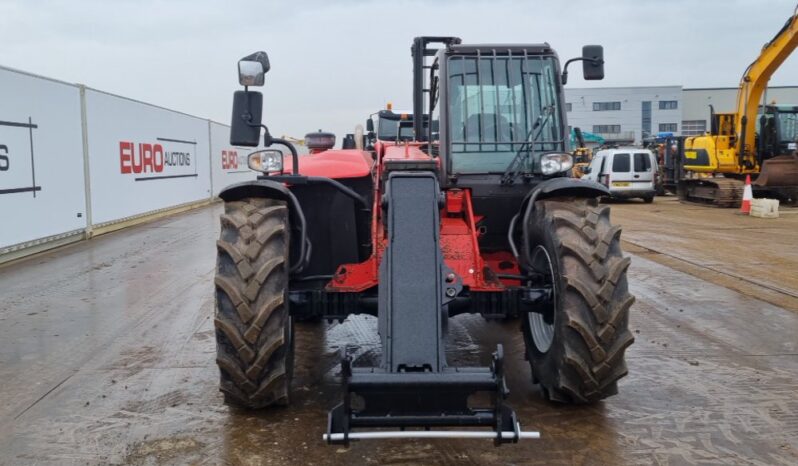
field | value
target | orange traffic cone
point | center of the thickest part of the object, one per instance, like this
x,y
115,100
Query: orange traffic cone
x,y
748,195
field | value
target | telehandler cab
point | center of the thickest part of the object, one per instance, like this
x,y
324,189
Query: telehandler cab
x,y
477,214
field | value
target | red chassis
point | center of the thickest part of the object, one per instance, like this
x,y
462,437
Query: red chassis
x,y
458,236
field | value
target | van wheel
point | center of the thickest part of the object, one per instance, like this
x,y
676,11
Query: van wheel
x,y
648,199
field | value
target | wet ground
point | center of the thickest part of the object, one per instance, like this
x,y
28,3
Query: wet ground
x,y
107,357
758,257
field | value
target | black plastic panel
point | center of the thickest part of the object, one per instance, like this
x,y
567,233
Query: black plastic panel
x,y
411,275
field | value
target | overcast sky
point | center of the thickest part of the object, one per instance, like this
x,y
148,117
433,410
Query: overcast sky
x,y
336,61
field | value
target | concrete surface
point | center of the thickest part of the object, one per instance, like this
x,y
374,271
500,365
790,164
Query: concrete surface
x,y
756,256
107,357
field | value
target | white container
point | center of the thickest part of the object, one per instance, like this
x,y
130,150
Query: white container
x,y
765,208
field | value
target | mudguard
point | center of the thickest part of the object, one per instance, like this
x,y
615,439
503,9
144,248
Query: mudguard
x,y
565,187
268,189
256,188
562,187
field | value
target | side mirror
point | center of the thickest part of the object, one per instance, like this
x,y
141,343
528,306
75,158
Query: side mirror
x,y
253,68
593,62
370,125
246,120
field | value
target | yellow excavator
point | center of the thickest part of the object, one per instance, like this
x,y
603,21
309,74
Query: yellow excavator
x,y
716,164
293,140
581,153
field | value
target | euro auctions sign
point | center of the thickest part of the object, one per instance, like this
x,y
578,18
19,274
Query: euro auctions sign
x,y
164,159
17,168
229,159
234,161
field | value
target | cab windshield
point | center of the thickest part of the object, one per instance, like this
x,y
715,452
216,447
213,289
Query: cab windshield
x,y
390,130
788,127
494,103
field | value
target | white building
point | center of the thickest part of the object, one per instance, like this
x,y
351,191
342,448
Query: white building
x,y
630,114
625,114
724,100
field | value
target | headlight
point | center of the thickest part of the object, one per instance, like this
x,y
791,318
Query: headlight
x,y
266,161
555,163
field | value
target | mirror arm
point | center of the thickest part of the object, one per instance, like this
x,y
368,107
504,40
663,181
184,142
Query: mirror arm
x,y
290,146
564,76
268,141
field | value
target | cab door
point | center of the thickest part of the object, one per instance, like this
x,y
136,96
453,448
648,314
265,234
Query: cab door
x,y
595,168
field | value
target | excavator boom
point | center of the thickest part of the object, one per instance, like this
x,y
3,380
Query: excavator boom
x,y
754,82
732,149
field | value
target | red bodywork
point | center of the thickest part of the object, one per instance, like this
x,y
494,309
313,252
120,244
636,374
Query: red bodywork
x,y
458,230
336,164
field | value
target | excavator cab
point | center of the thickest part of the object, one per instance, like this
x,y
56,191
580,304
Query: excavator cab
x,y
777,148
777,131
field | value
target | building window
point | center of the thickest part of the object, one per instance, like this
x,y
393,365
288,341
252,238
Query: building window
x,y
668,105
568,106
607,129
604,106
668,127
646,118
694,127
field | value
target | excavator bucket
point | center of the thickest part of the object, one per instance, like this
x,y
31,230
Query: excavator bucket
x,y
779,172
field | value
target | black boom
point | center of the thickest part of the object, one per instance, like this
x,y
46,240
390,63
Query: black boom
x,y
414,387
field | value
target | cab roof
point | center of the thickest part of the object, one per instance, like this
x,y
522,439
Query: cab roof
x,y
501,49
616,150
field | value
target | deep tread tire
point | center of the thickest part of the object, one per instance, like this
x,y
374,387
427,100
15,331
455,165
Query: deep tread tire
x,y
591,317
254,334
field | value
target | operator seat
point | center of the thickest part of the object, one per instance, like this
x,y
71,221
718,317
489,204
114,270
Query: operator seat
x,y
490,132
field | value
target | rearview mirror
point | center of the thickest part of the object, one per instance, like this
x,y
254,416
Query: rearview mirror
x,y
593,63
246,120
253,68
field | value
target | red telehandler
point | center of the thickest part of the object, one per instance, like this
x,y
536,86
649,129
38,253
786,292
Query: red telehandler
x,y
477,214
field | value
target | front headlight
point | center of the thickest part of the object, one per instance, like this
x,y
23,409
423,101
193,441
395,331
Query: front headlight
x,y
266,161
555,163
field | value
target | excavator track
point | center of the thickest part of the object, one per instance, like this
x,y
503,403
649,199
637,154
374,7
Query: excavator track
x,y
718,192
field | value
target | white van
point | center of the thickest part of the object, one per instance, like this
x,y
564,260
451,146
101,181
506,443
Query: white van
x,y
627,172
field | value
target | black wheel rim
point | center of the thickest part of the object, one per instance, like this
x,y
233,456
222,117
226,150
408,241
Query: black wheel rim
x,y
542,332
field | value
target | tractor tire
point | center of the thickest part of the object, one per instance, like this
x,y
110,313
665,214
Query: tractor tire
x,y
254,333
578,356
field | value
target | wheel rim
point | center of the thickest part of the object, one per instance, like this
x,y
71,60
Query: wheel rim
x,y
542,332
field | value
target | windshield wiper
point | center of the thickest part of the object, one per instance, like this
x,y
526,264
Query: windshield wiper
x,y
527,149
